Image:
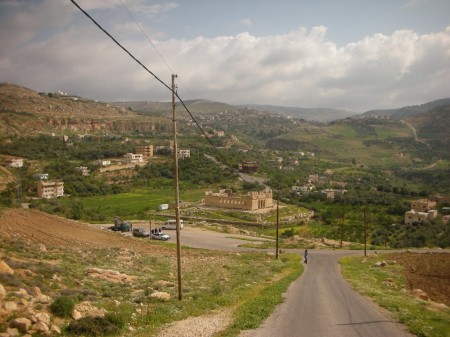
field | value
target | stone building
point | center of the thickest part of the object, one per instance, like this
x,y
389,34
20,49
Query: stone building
x,y
250,202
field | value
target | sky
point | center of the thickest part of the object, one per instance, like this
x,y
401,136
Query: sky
x,y
357,55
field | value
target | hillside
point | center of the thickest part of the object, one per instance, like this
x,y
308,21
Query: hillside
x,y
408,111
24,111
323,115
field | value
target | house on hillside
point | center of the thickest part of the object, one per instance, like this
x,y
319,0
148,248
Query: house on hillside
x,y
248,167
49,189
134,158
421,210
15,162
145,150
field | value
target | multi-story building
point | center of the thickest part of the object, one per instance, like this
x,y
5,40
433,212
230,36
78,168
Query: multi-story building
x,y
50,189
145,150
184,154
421,210
413,216
422,205
134,158
249,202
248,167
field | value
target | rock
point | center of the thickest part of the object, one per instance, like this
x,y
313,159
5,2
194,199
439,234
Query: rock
x,y
54,328
42,317
22,324
22,293
87,309
2,291
160,295
162,283
36,291
13,332
421,294
44,299
76,315
5,269
9,306
41,327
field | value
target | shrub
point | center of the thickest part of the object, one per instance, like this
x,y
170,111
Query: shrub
x,y
62,306
96,326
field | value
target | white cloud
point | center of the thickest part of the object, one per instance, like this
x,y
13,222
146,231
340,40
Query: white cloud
x,y
245,22
299,68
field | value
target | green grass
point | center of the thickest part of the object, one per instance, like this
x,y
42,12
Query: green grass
x,y
249,283
138,202
415,314
263,299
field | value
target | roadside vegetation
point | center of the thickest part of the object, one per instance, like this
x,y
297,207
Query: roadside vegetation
x,y
250,284
393,286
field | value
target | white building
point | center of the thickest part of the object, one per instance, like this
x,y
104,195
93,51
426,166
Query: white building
x,y
184,154
15,162
414,216
134,158
50,189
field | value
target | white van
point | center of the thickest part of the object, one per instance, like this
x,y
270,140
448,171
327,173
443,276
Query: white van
x,y
172,224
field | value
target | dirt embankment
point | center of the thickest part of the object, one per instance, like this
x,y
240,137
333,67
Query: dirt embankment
x,y
429,272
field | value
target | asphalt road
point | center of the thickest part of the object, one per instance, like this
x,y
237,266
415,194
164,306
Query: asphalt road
x,y
318,304
322,304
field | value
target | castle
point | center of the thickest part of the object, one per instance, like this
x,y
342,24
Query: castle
x,y
250,202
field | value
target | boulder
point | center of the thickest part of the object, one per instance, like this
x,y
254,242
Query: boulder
x,y
13,332
9,306
22,324
41,327
42,317
160,295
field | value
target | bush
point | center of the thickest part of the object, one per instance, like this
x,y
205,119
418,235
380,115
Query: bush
x,y
96,326
62,306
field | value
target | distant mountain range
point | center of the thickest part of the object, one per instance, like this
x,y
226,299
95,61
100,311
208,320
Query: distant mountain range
x,y
323,115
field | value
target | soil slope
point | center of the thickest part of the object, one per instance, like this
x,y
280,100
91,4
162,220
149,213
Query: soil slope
x,y
53,231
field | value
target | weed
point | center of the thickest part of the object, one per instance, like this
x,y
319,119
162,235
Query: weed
x,y
96,326
62,306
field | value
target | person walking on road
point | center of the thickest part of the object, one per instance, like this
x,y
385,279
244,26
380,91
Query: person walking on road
x,y
306,256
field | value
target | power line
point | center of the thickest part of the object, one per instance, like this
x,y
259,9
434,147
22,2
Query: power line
x,y
154,46
154,75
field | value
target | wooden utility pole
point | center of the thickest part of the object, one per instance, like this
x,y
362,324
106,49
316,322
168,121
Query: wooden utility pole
x,y
278,222
177,190
342,225
365,231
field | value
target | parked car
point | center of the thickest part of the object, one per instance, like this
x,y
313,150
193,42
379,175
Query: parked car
x,y
140,233
160,236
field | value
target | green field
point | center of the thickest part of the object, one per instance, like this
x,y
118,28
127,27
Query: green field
x,y
136,204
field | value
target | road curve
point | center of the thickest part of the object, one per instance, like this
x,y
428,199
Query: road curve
x,y
322,304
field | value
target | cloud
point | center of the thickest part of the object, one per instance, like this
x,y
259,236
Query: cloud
x,y
245,22
299,68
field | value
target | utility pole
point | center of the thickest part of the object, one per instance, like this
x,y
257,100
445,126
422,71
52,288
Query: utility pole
x,y
177,190
278,222
365,231
342,225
